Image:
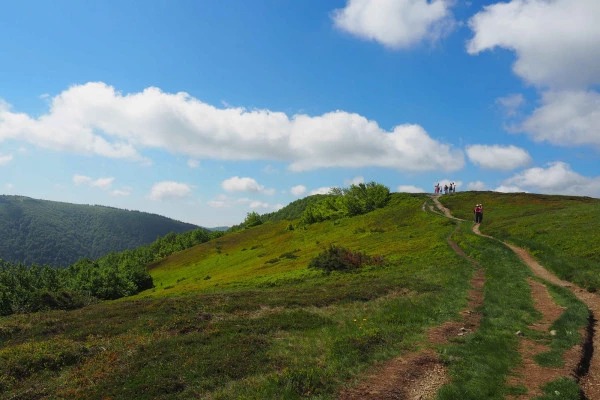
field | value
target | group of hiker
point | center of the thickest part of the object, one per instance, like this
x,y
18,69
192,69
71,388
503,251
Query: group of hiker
x,y
445,189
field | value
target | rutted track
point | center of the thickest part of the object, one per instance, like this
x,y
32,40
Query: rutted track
x,y
419,375
588,370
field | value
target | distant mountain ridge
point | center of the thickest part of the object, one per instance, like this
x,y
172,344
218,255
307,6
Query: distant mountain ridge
x,y
58,234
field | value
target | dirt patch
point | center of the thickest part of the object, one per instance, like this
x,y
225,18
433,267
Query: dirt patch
x,y
530,374
416,376
545,304
590,383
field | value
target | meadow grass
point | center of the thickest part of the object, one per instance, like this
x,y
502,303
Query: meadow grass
x,y
480,363
560,231
243,317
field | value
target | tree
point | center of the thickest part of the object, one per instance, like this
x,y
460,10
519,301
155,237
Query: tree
x,y
252,219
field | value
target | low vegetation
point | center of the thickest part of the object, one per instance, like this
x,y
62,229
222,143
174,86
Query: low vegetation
x,y
243,315
34,288
560,231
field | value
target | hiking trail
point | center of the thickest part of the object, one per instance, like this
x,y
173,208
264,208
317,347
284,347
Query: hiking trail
x,y
587,367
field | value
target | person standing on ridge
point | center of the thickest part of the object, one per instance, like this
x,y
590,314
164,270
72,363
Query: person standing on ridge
x,y
478,213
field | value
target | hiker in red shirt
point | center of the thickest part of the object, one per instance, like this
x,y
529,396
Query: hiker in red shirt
x,y
478,213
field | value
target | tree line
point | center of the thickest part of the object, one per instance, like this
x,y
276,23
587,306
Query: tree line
x,y
35,287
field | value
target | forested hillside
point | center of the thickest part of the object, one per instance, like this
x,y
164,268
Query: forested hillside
x,y
58,234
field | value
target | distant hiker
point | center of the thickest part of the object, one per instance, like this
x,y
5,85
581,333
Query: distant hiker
x,y
446,189
453,187
437,188
478,213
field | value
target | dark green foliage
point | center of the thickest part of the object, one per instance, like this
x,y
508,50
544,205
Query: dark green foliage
x,y
355,200
58,234
33,288
252,219
337,258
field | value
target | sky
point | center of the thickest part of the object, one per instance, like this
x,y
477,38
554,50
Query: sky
x,y
206,110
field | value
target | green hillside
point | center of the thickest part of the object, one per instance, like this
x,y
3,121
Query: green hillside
x,y
58,234
561,231
243,317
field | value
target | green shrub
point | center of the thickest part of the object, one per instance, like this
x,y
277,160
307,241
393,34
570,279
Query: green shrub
x,y
337,258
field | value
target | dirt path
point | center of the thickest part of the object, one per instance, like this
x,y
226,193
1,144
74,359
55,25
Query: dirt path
x,y
419,375
530,374
589,367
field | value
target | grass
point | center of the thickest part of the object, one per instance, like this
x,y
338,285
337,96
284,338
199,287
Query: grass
x,y
541,223
480,363
243,317
255,329
567,327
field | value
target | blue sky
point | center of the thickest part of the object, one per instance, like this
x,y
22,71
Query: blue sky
x,y
206,110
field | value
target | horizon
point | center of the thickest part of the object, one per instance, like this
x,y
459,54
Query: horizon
x,y
205,112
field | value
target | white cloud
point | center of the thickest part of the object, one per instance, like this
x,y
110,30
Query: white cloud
x,y
169,190
511,104
103,183
237,184
5,158
409,189
477,185
321,190
298,190
503,158
395,23
94,118
556,41
121,192
355,181
193,163
9,186
81,179
556,178
566,118
509,189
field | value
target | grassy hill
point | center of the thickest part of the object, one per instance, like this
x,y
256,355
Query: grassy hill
x,y
58,234
243,317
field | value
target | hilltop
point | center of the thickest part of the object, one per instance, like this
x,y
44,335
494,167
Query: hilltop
x,y
58,234
243,315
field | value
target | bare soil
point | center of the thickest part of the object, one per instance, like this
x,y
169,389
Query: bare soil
x,y
419,375
590,381
530,374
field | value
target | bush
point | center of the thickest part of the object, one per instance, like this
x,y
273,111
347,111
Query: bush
x,y
337,258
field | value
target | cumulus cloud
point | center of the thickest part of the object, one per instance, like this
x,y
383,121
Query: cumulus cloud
x,y
94,118
555,41
504,158
556,178
298,190
237,184
121,192
81,179
102,183
265,206
169,190
477,185
509,189
321,190
395,23
511,104
566,118
355,181
409,189
5,158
